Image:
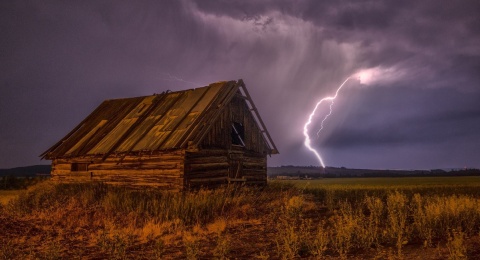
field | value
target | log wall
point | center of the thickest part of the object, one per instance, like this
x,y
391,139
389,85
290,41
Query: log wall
x,y
255,168
161,170
206,168
176,170
214,167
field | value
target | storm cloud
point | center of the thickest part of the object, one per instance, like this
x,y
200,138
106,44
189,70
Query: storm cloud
x,y
420,109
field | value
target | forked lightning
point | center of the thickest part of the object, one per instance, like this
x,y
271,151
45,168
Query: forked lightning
x,y
305,127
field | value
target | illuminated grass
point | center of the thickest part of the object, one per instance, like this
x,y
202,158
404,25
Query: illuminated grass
x,y
384,182
7,195
332,191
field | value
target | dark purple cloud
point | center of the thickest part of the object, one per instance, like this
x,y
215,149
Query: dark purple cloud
x,y
60,59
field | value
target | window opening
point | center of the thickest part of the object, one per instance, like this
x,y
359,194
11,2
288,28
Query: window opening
x,y
238,134
79,167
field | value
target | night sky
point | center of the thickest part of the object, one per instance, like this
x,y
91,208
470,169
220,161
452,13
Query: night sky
x,y
417,106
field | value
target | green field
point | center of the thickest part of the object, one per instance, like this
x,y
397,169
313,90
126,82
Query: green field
x,y
333,191
387,182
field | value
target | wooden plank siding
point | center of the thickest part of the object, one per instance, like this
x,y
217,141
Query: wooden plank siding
x,y
255,168
211,167
219,135
206,168
174,171
162,170
217,156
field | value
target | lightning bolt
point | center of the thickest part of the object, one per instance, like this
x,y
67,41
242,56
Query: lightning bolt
x,y
325,118
305,127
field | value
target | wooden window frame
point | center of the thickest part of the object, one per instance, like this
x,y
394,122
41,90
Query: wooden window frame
x,y
238,134
79,167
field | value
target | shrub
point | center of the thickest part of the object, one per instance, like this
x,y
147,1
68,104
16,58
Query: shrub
x,y
397,219
456,246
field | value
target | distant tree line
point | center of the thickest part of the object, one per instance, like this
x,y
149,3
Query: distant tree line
x,y
432,173
353,173
16,183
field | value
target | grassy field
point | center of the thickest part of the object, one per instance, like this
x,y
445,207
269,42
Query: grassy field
x,y
7,195
374,218
400,182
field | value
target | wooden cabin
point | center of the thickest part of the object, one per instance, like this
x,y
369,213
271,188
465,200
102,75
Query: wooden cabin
x,y
199,137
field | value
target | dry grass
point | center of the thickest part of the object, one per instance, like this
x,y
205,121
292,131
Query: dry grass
x,y
278,222
8,195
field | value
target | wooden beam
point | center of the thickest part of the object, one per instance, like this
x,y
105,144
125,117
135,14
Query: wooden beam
x,y
262,125
217,112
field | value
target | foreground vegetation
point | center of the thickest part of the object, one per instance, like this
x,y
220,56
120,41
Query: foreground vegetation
x,y
284,220
8,195
16,183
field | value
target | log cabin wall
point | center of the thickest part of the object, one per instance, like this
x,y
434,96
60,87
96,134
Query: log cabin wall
x,y
220,161
206,168
214,167
255,168
164,170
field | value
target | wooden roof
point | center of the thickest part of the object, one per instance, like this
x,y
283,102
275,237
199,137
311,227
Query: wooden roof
x,y
158,122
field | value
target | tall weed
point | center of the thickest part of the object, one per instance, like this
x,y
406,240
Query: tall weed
x,y
397,219
456,246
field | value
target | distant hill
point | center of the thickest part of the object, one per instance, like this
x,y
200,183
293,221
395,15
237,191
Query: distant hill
x,y
27,171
